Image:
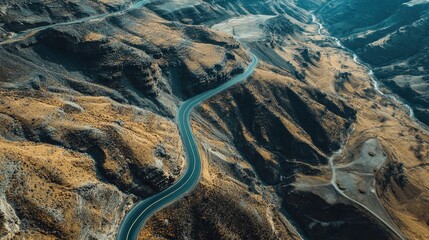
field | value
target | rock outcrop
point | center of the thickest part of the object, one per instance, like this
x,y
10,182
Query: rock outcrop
x,y
88,119
391,36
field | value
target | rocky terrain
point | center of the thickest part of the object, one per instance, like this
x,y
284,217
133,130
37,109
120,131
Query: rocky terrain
x,y
293,155
22,15
392,37
305,148
88,110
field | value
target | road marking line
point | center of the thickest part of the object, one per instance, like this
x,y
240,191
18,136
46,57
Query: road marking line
x,y
188,131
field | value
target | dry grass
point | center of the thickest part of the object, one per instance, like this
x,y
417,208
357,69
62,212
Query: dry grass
x,y
53,185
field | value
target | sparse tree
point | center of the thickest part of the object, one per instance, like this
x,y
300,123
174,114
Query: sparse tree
x,y
395,171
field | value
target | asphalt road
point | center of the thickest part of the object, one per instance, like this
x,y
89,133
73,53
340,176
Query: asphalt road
x,y
140,213
135,219
30,32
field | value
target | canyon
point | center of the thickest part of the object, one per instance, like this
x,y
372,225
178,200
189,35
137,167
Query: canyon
x,y
317,143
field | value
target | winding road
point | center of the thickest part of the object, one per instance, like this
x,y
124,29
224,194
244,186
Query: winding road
x,y
333,181
140,213
30,32
357,60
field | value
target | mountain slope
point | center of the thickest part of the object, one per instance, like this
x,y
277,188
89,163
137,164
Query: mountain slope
x,y
89,114
392,37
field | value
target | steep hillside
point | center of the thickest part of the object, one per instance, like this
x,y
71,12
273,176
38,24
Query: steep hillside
x,y
392,37
304,148
19,15
279,134
87,114
210,12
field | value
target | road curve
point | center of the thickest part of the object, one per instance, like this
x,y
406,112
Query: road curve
x,y
331,163
30,32
140,213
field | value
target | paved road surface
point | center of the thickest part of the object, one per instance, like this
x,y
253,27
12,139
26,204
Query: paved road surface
x,y
136,218
138,215
30,32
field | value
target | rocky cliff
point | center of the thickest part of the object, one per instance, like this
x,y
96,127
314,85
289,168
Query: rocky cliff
x,y
391,36
87,112
88,124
